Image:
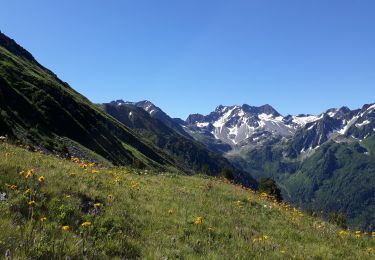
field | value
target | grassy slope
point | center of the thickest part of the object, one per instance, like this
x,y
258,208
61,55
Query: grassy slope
x,y
151,216
39,109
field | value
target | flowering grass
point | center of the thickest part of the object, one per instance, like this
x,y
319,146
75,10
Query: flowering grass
x,y
80,210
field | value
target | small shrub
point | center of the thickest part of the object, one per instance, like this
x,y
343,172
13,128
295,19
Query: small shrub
x,y
338,219
227,174
269,186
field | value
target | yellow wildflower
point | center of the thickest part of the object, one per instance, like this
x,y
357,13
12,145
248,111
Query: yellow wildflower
x,y
239,204
98,205
32,203
74,159
86,224
43,219
198,221
65,228
110,196
134,184
29,174
94,171
117,179
262,238
41,179
170,211
343,233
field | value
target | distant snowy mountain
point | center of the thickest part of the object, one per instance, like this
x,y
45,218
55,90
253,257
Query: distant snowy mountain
x,y
239,125
335,124
234,127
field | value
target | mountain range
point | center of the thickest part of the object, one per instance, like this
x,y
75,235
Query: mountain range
x,y
240,126
323,163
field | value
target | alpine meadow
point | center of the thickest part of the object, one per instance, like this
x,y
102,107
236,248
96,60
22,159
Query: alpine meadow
x,y
197,130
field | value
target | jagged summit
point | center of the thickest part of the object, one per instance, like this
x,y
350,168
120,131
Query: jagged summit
x,y
239,125
155,112
118,102
234,125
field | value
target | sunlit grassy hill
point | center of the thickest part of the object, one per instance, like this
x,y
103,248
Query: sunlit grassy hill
x,y
52,208
40,110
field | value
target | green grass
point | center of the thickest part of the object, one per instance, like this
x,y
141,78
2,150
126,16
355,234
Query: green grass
x,y
152,216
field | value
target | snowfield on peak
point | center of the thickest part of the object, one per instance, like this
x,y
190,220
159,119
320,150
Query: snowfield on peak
x,y
366,122
303,120
237,124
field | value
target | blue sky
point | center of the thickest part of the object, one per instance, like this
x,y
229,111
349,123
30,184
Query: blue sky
x,y
190,56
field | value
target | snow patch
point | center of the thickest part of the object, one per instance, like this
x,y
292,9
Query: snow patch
x,y
264,116
371,107
221,122
348,125
332,114
233,131
200,125
311,127
147,108
303,120
366,122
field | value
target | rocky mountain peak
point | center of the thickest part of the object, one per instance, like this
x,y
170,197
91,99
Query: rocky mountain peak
x,y
118,102
194,118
